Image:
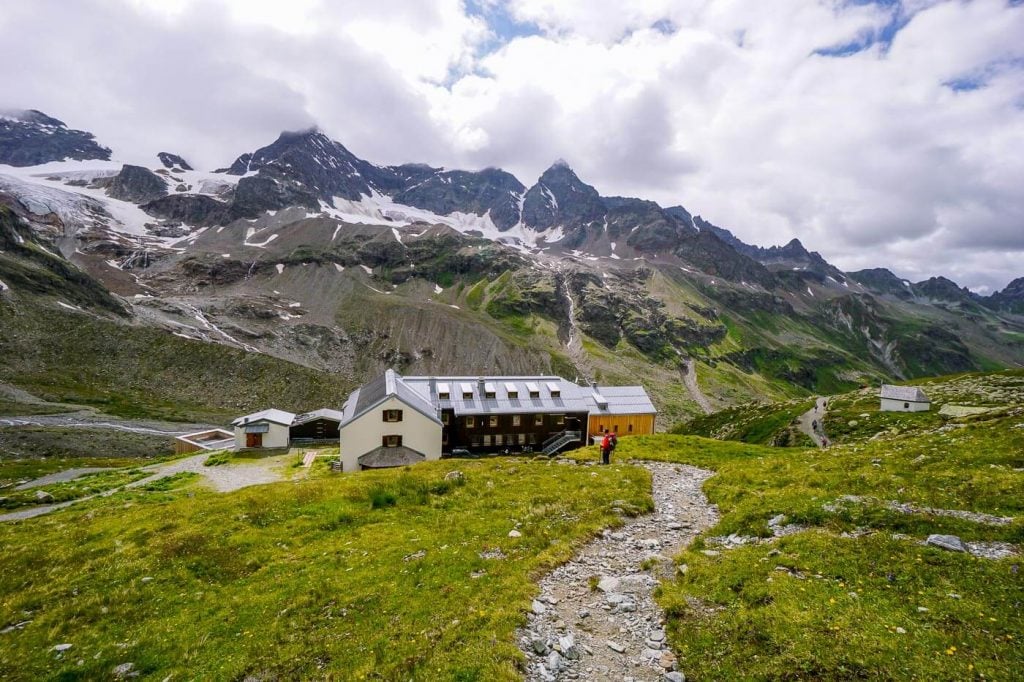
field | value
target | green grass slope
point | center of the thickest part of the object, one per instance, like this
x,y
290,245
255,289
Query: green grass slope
x,y
381,575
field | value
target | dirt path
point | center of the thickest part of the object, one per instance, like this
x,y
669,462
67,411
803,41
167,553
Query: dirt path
x,y
614,630
811,422
689,375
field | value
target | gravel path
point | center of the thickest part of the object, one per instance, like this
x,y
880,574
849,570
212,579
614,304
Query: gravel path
x,y
60,477
223,479
689,375
91,420
811,422
615,632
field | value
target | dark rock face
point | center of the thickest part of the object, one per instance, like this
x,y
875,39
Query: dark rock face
x,y
173,161
491,191
314,163
883,281
942,289
644,225
29,138
137,184
194,209
710,254
1010,299
259,193
561,198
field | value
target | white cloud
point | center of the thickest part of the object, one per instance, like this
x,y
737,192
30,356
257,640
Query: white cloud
x,y
723,106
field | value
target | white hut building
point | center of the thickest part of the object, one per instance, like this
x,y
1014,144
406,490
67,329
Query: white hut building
x,y
266,429
386,424
903,399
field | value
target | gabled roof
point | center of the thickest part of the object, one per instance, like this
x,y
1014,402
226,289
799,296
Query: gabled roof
x,y
273,416
911,394
556,395
332,415
620,400
387,385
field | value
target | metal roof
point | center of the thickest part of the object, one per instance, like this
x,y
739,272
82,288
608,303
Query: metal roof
x,y
911,394
271,415
383,457
332,415
568,396
387,385
621,400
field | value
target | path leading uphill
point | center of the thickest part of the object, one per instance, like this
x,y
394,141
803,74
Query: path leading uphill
x,y
689,374
811,422
614,630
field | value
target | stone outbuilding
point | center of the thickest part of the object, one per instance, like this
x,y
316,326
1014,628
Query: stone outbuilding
x,y
903,399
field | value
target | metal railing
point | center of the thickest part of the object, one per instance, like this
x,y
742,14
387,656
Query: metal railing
x,y
559,441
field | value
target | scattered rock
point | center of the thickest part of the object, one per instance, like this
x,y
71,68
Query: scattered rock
x,y
675,676
125,670
415,555
900,631
616,647
538,608
539,646
608,584
455,476
61,648
43,496
948,542
710,552
514,534
657,636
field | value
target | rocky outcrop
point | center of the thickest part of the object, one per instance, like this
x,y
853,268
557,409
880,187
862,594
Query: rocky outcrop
x,y
137,184
192,209
561,199
173,161
943,289
883,281
29,138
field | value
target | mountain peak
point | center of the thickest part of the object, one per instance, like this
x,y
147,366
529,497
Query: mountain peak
x,y
29,137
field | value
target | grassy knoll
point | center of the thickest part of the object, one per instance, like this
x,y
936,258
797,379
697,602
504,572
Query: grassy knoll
x,y
13,471
874,603
89,484
758,424
381,575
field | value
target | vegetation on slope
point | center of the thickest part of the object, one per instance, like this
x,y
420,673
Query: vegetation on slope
x,y
385,575
855,594
71,357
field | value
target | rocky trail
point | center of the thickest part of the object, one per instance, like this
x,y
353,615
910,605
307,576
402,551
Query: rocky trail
x,y
689,375
811,422
595,617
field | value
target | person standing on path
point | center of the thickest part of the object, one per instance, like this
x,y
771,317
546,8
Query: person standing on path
x,y
606,448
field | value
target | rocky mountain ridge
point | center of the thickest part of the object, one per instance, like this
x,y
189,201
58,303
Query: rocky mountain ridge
x,y
303,251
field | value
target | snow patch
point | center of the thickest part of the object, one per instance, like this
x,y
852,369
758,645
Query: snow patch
x,y
809,291
295,305
398,237
339,267
225,255
366,269
260,245
62,304
280,268
4,287
337,229
454,306
438,289
613,246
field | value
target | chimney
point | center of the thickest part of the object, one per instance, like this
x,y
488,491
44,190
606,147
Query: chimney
x,y
433,387
480,386
593,385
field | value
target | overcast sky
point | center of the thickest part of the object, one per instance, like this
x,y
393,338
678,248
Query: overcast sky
x,y
886,133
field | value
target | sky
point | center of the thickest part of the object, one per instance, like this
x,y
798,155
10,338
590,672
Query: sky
x,y
885,133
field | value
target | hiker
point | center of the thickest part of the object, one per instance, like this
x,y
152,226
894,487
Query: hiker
x,y
615,439
606,448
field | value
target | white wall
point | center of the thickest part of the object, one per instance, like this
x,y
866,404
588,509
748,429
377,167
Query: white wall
x,y
276,437
893,405
366,433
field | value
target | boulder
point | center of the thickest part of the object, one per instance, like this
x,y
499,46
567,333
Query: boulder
x,y
948,542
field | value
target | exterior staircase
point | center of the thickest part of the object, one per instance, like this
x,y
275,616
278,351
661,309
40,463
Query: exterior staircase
x,y
558,441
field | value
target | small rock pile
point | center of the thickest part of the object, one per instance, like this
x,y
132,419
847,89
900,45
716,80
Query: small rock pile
x,y
595,618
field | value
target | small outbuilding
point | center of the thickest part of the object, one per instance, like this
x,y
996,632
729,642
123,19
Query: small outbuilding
x,y
266,429
321,426
903,399
214,439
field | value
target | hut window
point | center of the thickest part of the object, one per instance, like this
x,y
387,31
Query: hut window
x,y
630,428
516,420
444,396
906,406
490,392
467,395
538,420
522,438
470,422
392,441
534,394
392,415
492,420
498,440
487,441
559,419
512,395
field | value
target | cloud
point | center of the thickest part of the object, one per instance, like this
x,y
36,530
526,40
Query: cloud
x,y
879,133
